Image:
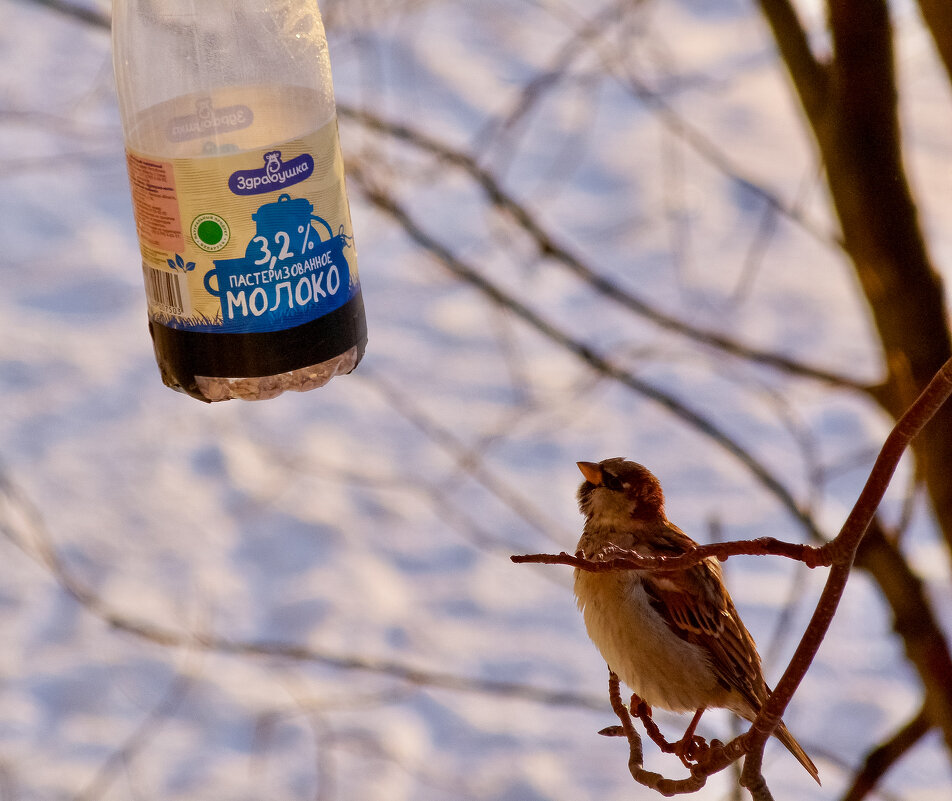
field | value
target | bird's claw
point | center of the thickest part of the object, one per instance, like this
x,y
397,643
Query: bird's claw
x,y
690,749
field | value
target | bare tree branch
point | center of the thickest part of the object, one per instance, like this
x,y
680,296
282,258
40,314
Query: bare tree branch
x,y
551,249
386,203
809,76
535,89
938,18
925,642
89,16
856,127
646,778
464,457
886,754
21,523
138,739
620,559
844,547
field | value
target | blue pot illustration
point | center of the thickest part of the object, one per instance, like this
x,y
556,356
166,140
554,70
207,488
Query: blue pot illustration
x,y
293,271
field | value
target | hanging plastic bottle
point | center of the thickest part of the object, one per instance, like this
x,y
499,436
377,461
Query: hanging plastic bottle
x,y
238,192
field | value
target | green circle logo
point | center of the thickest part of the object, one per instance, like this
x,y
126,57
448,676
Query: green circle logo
x,y
210,232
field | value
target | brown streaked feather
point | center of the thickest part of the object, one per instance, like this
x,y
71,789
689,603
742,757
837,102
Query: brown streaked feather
x,y
696,608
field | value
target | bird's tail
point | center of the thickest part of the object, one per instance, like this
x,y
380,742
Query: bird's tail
x,y
783,734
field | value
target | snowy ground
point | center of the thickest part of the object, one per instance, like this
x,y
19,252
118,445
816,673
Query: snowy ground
x,y
365,527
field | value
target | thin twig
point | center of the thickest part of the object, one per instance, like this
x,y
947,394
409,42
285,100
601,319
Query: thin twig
x,y
621,559
138,739
843,549
549,247
21,523
647,778
89,16
925,642
475,278
570,50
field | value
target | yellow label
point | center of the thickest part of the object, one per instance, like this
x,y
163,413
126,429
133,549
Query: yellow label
x,y
258,240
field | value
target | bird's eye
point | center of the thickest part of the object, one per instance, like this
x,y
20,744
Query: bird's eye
x,y
611,482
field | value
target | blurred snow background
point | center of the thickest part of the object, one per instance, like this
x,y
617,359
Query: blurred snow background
x,y
311,597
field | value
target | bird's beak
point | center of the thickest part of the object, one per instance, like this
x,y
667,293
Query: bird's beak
x,y
591,471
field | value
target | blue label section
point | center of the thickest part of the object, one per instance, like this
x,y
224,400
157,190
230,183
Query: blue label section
x,y
275,174
294,270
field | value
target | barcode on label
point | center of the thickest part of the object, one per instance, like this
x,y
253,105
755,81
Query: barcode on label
x,y
167,291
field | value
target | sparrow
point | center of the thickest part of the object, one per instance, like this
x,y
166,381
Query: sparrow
x,y
674,637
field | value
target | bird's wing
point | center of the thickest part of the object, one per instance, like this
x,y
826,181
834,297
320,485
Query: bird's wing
x,y
695,605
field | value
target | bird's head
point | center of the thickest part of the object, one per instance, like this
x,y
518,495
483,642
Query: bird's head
x,y
616,491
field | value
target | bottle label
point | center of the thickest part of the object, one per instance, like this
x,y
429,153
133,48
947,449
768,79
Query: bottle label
x,y
245,242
